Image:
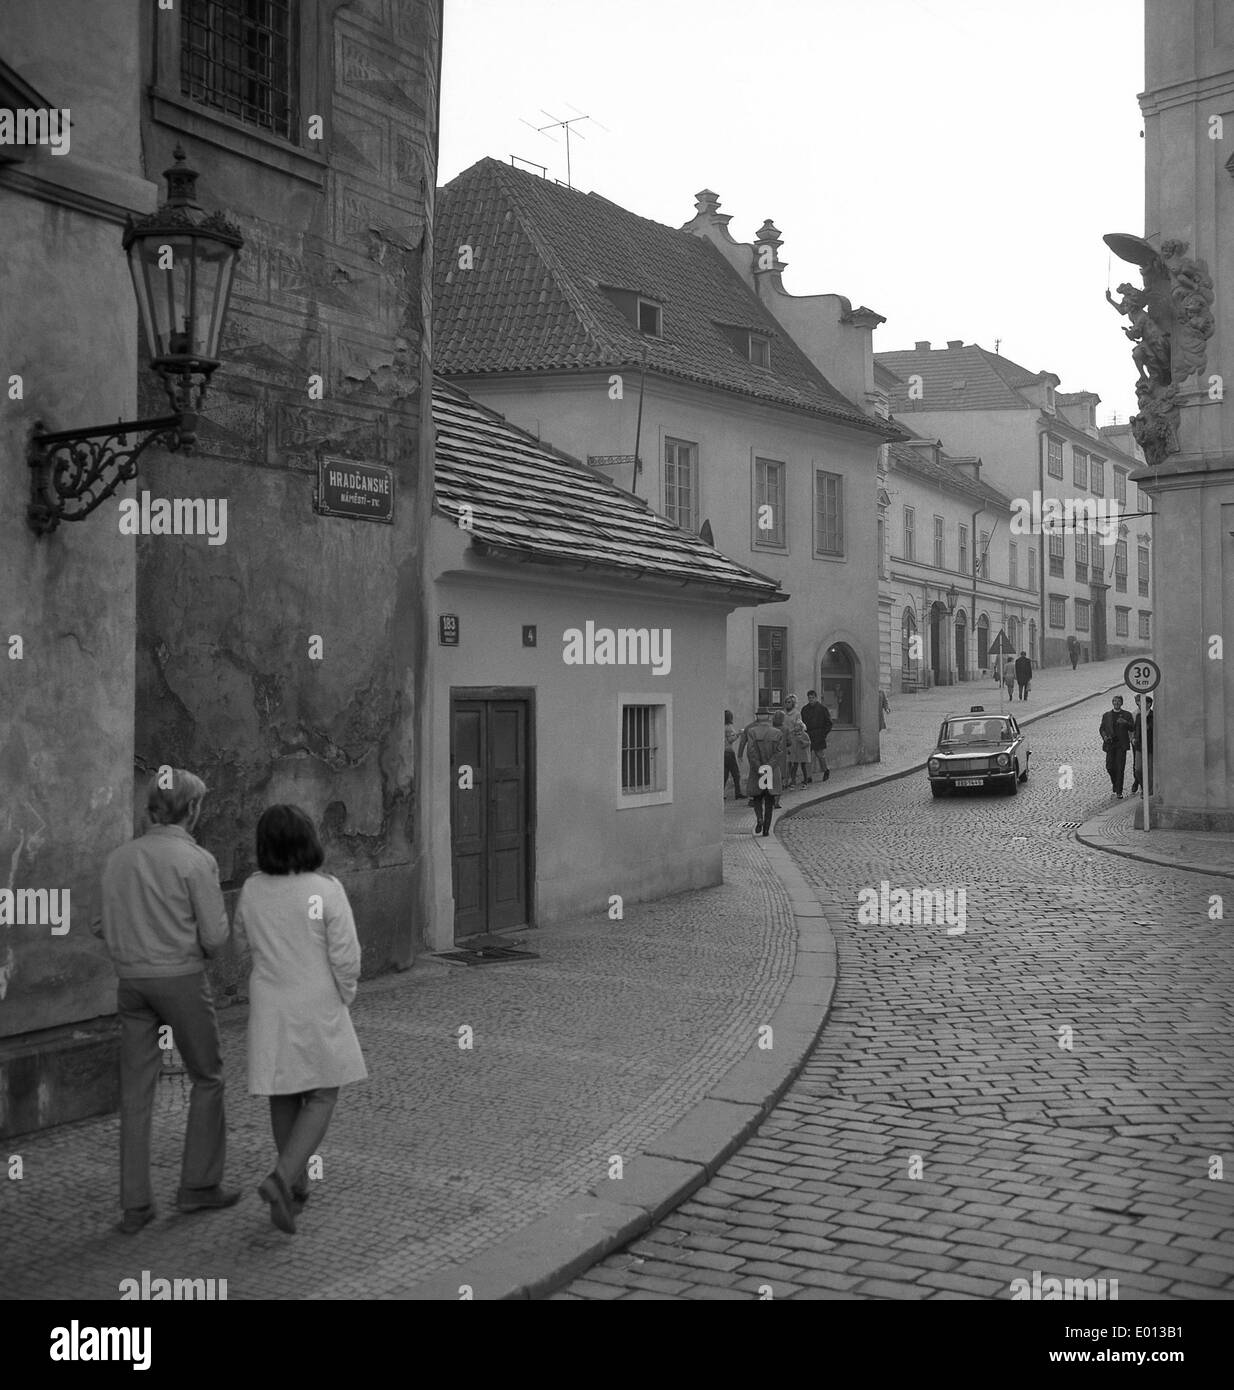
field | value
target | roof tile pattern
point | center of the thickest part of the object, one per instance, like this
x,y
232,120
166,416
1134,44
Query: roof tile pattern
x,y
963,378
536,505
533,299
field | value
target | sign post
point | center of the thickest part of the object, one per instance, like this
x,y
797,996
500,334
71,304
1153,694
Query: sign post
x,y
1142,676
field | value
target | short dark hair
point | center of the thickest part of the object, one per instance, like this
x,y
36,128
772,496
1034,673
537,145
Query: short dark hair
x,y
728,716
811,692
287,842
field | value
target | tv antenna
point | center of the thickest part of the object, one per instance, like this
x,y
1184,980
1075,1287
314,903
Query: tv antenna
x,y
565,125
998,342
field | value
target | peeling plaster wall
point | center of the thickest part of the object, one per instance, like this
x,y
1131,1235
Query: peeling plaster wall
x,y
329,282
67,328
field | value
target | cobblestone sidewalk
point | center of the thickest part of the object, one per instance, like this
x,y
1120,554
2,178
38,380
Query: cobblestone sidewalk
x,y
594,1049
1115,830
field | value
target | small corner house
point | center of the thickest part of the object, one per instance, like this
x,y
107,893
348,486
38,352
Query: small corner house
x,y
577,703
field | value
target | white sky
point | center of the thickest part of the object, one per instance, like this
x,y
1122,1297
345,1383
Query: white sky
x,y
953,164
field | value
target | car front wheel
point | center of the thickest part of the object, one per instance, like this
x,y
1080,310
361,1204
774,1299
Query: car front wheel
x,y
937,789
1013,782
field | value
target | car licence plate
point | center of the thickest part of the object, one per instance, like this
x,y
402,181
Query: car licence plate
x,y
969,781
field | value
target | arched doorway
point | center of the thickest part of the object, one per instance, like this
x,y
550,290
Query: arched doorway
x,y
937,661
1032,640
837,683
910,651
983,642
961,644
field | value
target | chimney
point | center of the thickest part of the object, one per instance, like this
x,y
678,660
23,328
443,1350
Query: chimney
x,y
922,346
955,342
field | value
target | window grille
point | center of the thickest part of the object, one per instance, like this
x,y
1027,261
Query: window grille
x,y
238,56
639,753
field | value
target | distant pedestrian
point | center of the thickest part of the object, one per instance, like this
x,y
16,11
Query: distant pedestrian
x,y
1009,676
162,915
1073,650
884,709
306,962
817,719
797,744
1023,674
763,745
998,673
731,767
1116,729
1138,742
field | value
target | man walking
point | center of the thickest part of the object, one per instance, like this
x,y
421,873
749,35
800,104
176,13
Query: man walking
x,y
763,744
162,915
817,719
1023,674
1116,729
1073,650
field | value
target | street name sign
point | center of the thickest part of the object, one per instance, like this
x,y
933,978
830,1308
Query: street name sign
x,y
359,491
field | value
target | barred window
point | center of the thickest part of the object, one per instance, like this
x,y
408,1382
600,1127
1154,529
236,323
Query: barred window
x,y
638,748
1058,610
239,56
772,664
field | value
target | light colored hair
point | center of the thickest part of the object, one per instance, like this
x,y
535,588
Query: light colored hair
x,y
170,805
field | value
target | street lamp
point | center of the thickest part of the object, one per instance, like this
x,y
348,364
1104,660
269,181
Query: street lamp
x,y
182,261
951,601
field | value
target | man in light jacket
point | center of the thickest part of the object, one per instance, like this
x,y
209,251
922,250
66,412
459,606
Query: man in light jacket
x,y
763,744
162,915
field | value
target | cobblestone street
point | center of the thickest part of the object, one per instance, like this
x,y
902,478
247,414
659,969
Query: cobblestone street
x,y
1080,1155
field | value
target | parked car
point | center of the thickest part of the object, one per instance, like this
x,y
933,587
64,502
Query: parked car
x,y
979,750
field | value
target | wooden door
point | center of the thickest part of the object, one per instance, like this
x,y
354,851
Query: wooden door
x,y
490,820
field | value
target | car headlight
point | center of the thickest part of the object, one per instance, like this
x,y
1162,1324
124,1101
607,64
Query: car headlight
x,y
1004,760
934,764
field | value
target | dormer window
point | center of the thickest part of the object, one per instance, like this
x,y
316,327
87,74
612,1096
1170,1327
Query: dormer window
x,y
649,319
1049,397
759,350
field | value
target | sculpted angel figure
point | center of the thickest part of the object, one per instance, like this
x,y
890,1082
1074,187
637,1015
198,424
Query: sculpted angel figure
x,y
1151,353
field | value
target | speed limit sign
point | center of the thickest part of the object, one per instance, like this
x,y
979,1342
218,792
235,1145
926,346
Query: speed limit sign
x,y
1142,675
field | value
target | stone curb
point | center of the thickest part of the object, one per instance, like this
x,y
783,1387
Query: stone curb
x,y
921,766
1090,834
579,1231
583,1229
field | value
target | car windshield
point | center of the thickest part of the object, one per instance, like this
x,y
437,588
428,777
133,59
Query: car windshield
x,y
974,731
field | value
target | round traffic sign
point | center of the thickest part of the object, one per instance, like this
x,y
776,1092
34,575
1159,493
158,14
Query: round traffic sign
x,y
1142,675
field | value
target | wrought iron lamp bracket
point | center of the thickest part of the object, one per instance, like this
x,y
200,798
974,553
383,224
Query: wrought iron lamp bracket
x,y
73,471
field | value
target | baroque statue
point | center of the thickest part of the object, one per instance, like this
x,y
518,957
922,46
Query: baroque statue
x,y
1170,323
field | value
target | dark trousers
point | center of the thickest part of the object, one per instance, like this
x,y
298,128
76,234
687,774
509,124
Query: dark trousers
x,y
1075,657
731,769
299,1123
145,1005
1023,689
1115,765
764,803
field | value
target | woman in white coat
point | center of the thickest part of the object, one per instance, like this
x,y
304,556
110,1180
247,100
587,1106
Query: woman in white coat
x,y
306,962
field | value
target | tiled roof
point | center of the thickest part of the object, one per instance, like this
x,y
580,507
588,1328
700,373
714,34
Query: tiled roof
x,y
961,378
945,473
533,299
533,504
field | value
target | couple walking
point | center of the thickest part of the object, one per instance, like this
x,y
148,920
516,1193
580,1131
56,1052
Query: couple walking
x,y
1122,732
162,916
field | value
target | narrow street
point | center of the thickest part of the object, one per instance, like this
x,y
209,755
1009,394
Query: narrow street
x,y
1088,1153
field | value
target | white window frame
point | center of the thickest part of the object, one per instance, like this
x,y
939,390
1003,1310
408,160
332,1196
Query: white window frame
x,y
663,705
665,440
820,475
759,539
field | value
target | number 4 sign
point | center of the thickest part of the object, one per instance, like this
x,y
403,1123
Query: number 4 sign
x,y
1142,675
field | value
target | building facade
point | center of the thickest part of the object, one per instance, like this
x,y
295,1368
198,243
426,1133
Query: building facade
x,y
282,658
1042,448
660,357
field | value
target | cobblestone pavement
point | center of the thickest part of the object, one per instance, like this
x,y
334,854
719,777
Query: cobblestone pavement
x,y
1092,1160
1115,830
594,1049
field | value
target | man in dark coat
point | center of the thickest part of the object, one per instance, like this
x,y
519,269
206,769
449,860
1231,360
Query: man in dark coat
x,y
1117,726
763,744
1073,650
817,719
1023,673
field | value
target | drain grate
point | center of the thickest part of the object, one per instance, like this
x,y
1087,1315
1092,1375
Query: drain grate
x,y
484,955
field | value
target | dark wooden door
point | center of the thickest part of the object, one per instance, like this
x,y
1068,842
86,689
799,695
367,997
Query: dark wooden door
x,y
490,820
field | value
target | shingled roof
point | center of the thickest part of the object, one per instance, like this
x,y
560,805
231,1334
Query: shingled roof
x,y
545,261
958,378
945,473
532,504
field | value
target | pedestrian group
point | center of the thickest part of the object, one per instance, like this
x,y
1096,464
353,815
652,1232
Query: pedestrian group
x,y
162,917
